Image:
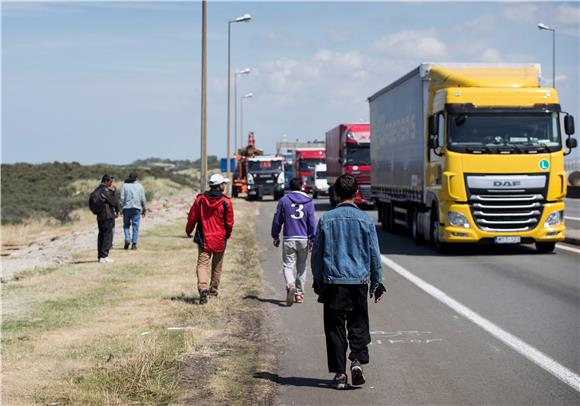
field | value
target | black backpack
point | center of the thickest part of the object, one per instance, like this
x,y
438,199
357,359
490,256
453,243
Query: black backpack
x,y
96,201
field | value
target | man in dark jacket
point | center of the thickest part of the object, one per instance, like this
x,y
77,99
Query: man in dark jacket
x,y
345,258
106,218
213,214
295,212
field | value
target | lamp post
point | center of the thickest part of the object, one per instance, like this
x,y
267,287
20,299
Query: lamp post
x,y
236,74
203,158
243,19
246,96
546,28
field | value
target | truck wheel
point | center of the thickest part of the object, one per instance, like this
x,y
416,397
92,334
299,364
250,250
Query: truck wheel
x,y
331,197
415,234
314,195
545,247
234,192
387,220
439,246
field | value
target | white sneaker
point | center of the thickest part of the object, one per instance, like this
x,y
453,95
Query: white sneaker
x,y
105,260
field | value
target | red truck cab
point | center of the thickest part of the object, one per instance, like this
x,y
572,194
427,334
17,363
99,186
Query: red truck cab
x,y
305,160
348,152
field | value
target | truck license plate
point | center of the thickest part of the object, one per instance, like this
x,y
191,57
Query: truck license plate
x,y
507,240
269,181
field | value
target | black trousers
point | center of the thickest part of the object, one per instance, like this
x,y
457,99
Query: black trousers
x,y
105,238
337,323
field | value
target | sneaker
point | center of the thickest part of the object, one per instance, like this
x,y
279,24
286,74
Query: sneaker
x,y
102,261
340,381
299,298
126,246
356,372
203,296
213,293
108,259
134,247
290,292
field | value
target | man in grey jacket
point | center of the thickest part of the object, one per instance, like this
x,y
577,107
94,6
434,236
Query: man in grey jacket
x,y
345,258
134,206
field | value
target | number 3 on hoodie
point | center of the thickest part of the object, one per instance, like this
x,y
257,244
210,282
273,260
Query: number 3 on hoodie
x,y
299,211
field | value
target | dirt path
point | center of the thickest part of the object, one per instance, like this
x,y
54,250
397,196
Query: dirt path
x,y
60,250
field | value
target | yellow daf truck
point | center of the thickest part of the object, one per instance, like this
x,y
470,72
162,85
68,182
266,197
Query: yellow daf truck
x,y
471,153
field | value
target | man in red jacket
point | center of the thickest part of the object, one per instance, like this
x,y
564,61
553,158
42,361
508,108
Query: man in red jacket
x,y
213,214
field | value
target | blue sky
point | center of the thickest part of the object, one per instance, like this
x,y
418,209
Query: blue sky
x,y
114,82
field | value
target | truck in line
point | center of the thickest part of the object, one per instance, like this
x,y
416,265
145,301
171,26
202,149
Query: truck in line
x,y
348,152
305,160
471,153
265,177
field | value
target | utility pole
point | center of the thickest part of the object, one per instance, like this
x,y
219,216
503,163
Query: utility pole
x,y
203,177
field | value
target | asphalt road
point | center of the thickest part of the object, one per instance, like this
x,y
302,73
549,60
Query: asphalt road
x,y
425,352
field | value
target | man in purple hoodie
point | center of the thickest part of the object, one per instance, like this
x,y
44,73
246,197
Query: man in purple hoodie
x,y
295,212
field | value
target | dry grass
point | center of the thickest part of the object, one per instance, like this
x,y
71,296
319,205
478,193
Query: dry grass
x,y
96,334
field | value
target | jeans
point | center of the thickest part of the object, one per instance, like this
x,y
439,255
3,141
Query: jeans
x,y
105,238
131,217
294,254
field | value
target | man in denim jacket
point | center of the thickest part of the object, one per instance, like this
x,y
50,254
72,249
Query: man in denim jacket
x,y
345,258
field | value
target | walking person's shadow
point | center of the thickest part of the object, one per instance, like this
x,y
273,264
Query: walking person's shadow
x,y
281,303
297,380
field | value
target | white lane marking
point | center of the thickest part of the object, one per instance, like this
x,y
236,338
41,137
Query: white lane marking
x,y
536,356
566,248
572,218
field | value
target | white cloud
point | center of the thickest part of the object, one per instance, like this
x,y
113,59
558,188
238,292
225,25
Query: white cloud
x,y
561,78
521,13
413,44
566,14
491,55
484,22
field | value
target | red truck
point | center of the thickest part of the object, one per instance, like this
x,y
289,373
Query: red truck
x,y
348,152
305,159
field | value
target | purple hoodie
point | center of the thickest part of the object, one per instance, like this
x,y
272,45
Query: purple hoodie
x,y
296,212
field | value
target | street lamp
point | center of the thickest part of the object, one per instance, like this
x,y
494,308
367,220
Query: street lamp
x,y
246,96
544,27
236,74
243,19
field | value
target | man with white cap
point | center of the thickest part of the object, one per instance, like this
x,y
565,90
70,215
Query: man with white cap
x,y
213,214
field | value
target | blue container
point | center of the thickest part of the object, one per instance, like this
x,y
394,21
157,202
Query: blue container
x,y
224,165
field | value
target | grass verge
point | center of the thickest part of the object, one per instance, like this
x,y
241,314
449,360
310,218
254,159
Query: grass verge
x,y
132,331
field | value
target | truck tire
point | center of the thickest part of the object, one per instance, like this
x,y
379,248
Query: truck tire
x,y
545,247
314,195
439,246
387,221
415,234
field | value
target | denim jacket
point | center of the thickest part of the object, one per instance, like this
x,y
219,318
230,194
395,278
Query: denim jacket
x,y
346,249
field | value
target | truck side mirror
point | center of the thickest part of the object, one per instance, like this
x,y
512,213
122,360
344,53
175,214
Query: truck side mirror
x,y
433,124
569,124
571,143
340,161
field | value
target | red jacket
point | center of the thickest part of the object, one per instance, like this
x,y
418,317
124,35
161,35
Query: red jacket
x,y
213,214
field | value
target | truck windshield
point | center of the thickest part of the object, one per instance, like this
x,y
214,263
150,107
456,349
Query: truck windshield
x,y
309,164
264,166
358,154
320,175
519,133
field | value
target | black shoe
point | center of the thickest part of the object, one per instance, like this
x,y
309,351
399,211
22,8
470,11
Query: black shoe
x,y
134,247
356,372
203,296
340,381
126,246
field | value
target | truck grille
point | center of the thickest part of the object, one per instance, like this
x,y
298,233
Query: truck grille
x,y
363,178
507,203
366,192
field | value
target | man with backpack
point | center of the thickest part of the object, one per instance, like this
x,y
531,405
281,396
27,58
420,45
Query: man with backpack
x,y
295,212
345,258
105,205
133,203
213,214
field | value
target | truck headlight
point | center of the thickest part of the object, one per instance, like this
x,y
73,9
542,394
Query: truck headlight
x,y
457,219
554,219
250,179
281,178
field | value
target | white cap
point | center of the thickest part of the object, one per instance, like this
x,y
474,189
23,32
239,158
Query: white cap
x,y
217,179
